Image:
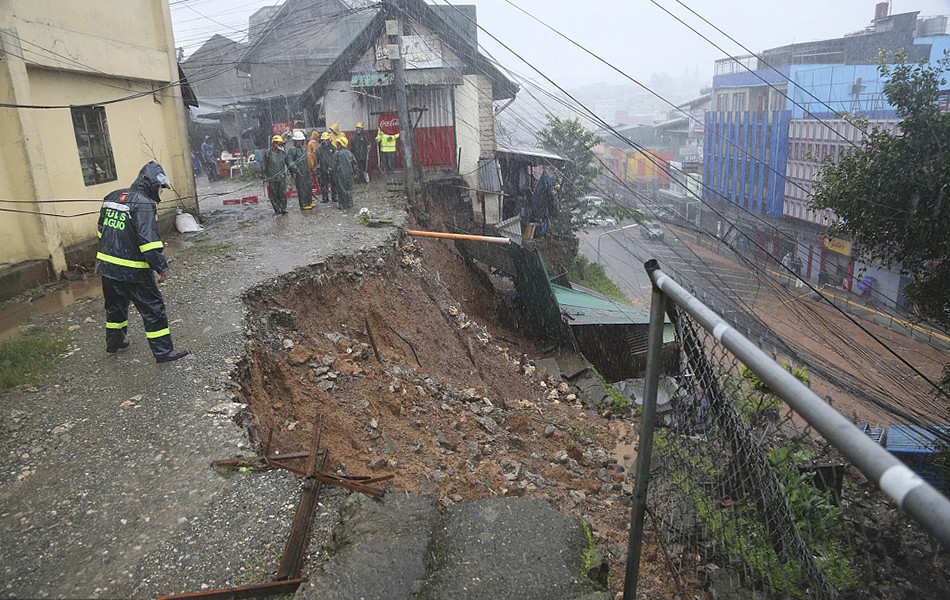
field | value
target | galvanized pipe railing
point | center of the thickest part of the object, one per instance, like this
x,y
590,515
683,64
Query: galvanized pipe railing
x,y
920,500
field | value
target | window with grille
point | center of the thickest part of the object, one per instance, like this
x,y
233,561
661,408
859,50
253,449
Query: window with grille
x,y
95,148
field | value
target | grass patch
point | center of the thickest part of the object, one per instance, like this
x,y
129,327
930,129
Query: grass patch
x,y
205,247
585,434
24,361
621,404
595,278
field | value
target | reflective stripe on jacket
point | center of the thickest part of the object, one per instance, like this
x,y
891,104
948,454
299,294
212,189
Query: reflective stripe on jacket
x,y
129,245
387,143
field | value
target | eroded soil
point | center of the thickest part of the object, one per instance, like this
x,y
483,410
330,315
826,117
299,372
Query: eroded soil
x,y
452,407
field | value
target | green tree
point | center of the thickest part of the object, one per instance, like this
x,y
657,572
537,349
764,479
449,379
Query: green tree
x,y
575,179
892,194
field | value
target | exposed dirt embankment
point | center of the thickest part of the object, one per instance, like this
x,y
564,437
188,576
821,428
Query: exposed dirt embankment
x,y
451,407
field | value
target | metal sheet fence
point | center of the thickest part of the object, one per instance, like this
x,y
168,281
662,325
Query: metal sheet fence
x,y
751,501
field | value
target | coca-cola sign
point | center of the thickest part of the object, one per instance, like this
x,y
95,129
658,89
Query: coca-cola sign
x,y
389,124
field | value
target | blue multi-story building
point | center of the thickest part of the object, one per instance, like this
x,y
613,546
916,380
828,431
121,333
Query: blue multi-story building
x,y
777,114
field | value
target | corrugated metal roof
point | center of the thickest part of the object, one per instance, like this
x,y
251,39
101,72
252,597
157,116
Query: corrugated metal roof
x,y
488,179
537,153
580,308
912,439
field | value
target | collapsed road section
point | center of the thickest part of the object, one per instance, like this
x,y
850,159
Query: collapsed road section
x,y
402,355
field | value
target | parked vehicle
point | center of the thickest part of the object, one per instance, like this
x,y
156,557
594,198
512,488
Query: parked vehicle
x,y
651,230
600,220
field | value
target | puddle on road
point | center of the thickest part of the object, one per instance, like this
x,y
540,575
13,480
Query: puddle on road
x,y
14,316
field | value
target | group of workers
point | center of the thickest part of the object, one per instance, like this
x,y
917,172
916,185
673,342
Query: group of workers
x,y
326,163
130,258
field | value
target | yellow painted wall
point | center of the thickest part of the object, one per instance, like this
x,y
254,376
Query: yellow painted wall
x,y
120,48
16,247
140,130
125,38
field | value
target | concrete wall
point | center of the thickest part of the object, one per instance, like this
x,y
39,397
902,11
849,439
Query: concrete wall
x,y
344,106
467,132
122,48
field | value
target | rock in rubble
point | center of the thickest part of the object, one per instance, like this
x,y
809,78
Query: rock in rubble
x,y
298,354
490,425
445,443
282,318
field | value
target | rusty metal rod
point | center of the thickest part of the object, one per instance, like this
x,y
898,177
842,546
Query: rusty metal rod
x,y
363,479
248,591
356,487
416,356
292,559
270,437
372,341
312,468
377,479
460,236
294,470
239,462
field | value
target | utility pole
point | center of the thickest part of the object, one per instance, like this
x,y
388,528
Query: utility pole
x,y
393,30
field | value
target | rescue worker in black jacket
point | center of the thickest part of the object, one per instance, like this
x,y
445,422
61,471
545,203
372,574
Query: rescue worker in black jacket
x,y
129,251
360,149
325,163
276,166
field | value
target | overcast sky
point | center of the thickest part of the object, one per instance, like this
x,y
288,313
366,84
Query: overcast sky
x,y
636,36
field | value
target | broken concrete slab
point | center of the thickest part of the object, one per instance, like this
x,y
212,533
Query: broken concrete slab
x,y
378,549
571,364
400,547
511,548
550,367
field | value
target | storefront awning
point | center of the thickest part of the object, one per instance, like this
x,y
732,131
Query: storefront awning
x,y
413,77
533,156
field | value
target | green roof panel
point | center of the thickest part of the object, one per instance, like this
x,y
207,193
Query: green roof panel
x,y
581,308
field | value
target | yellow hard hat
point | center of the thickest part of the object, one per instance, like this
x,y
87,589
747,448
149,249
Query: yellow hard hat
x,y
359,125
277,140
344,142
325,136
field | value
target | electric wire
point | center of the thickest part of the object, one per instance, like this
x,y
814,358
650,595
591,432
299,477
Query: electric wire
x,y
761,248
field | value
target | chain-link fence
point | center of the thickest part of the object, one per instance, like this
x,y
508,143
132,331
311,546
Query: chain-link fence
x,y
752,499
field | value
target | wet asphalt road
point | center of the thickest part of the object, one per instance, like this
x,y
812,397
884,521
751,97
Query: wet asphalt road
x,y
623,249
106,490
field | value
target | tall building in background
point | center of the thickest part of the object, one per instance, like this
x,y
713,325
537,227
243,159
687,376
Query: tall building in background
x,y
770,127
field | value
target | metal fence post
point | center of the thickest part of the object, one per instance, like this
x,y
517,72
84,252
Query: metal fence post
x,y
908,490
645,446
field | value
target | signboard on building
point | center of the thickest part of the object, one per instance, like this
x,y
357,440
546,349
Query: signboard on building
x,y
284,130
419,52
389,124
837,245
697,121
422,51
